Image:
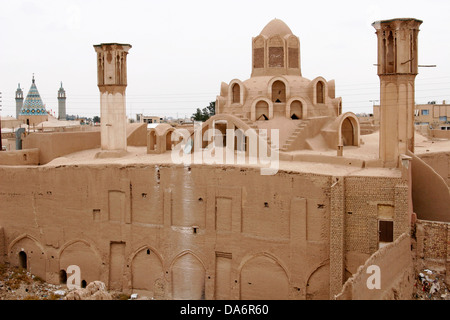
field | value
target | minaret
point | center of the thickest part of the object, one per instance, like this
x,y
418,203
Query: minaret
x,y
112,83
397,70
61,103
19,100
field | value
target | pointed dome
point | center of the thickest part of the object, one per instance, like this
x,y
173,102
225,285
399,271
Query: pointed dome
x,y
33,104
276,26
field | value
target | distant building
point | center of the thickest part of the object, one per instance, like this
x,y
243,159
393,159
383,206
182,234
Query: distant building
x,y
431,114
61,103
148,119
33,109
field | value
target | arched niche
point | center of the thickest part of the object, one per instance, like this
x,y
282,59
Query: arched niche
x,y
28,253
258,52
147,272
261,106
296,106
319,90
188,277
263,278
276,52
349,130
82,254
236,92
318,285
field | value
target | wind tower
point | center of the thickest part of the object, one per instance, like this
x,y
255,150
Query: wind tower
x,y
112,83
397,70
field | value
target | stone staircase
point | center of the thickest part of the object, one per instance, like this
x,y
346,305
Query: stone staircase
x,y
287,146
252,125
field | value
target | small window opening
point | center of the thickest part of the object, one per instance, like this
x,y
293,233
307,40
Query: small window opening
x,y
320,206
22,260
62,277
148,251
266,204
83,284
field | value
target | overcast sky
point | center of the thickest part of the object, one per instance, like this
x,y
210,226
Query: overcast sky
x,y
183,50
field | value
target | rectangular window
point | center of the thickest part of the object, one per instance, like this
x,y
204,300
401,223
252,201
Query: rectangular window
x,y
443,118
425,112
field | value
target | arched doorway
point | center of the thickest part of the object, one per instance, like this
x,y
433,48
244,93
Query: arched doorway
x,y
296,110
262,110
320,97
22,260
278,92
347,130
236,93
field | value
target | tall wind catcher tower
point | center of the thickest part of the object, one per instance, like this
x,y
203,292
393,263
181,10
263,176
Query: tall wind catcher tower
x,y
397,69
112,83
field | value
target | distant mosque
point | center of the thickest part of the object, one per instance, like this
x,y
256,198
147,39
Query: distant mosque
x,y
32,111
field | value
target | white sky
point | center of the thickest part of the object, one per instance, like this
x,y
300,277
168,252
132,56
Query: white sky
x,y
183,50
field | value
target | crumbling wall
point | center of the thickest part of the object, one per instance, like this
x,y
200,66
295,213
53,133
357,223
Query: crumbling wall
x,y
396,271
433,246
150,227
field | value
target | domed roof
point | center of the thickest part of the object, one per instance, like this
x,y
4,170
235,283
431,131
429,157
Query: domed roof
x,y
276,26
33,104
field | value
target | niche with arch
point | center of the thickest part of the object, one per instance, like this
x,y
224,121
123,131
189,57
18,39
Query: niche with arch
x,y
296,110
188,278
262,111
263,278
278,92
147,272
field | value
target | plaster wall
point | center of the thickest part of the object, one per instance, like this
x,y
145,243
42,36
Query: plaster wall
x,y
54,145
175,232
396,270
113,121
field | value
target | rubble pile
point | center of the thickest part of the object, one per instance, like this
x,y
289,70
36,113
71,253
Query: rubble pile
x,y
18,284
430,285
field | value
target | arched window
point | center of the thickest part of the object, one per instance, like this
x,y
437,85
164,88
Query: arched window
x,y
296,110
236,93
347,133
390,56
22,260
278,91
320,92
262,110
83,284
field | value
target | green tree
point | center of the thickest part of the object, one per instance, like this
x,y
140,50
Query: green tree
x,y
205,113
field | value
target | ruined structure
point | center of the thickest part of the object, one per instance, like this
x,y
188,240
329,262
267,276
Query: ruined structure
x,y
338,202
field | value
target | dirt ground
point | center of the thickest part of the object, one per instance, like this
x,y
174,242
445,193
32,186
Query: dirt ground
x,y
18,284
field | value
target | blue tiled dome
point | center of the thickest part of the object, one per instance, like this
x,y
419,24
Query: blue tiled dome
x,y
33,104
